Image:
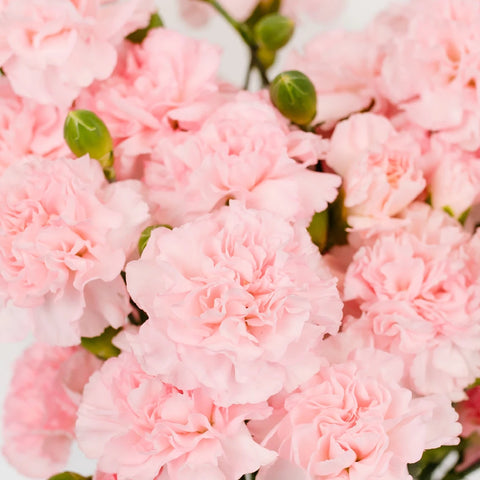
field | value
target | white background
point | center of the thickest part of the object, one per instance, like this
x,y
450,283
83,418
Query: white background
x,y
234,64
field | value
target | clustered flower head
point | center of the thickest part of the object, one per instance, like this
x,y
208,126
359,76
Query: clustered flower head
x,y
227,289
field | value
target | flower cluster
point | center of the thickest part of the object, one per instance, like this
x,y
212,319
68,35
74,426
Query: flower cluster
x,y
225,284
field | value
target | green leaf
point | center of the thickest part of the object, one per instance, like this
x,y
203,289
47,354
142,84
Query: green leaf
x,y
102,345
294,95
138,36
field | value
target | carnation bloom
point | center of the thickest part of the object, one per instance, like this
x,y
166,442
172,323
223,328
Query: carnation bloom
x,y
104,476
27,128
239,305
41,407
454,183
51,49
244,151
65,235
157,84
140,427
469,417
353,421
418,289
378,166
429,69
343,68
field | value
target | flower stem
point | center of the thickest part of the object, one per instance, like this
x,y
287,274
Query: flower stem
x,y
247,35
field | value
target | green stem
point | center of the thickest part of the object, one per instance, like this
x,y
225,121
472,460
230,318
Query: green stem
x,y
261,69
251,66
247,35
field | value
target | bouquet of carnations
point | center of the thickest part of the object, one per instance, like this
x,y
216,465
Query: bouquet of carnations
x,y
223,284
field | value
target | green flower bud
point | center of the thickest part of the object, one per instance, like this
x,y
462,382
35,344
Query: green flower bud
x,y
69,476
274,31
145,236
85,133
101,346
295,97
266,57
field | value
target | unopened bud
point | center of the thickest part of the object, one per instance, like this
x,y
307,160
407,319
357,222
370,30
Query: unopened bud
x,y
85,133
295,97
274,31
266,57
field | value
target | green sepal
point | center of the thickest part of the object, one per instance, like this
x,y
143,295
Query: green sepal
x,y
266,57
138,36
476,383
102,346
145,236
462,218
464,215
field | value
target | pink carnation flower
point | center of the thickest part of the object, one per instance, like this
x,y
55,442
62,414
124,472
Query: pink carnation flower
x,y
469,412
51,49
454,183
354,421
65,235
243,151
41,407
164,81
343,67
240,303
142,428
105,476
27,128
378,166
418,289
429,66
